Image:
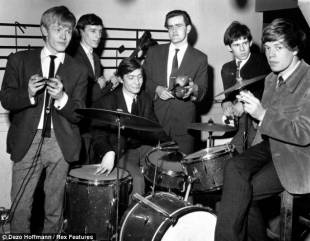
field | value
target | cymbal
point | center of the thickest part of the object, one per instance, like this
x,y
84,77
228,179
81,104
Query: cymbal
x,y
210,127
242,83
126,120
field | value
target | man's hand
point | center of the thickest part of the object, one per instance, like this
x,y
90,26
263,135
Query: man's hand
x,y
190,89
102,82
238,109
55,87
228,109
163,93
115,81
107,164
252,105
35,84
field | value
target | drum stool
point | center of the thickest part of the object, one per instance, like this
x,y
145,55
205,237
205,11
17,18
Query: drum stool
x,y
286,218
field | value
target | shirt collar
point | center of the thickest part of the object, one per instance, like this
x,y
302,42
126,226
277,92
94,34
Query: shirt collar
x,y
45,53
172,47
286,75
242,61
87,49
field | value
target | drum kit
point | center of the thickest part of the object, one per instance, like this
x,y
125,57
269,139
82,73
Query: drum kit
x,y
95,203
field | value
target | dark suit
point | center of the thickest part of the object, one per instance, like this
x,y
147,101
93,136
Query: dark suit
x,y
93,88
104,136
93,94
174,114
24,137
15,98
256,65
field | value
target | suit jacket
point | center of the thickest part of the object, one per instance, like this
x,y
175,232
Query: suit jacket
x,y
195,65
93,88
15,98
104,136
256,65
287,125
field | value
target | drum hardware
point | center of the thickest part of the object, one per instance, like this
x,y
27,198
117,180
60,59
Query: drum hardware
x,y
190,180
121,120
157,208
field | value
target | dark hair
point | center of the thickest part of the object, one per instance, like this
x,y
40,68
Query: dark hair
x,y
60,15
294,39
176,13
127,66
88,19
236,31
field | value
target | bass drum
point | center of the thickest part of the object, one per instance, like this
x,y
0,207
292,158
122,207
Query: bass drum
x,y
186,222
91,201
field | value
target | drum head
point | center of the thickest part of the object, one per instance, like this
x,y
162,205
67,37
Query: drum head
x,y
210,151
167,160
196,225
86,173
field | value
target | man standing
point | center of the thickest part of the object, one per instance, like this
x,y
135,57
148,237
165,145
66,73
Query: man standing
x,y
90,29
42,88
134,145
163,63
246,65
282,158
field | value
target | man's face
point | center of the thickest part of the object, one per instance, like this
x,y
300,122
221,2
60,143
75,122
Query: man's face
x,y
177,30
58,37
132,82
91,35
279,57
240,48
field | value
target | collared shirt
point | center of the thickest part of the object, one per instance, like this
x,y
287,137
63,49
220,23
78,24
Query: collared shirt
x,y
129,100
288,74
181,54
45,63
242,61
285,76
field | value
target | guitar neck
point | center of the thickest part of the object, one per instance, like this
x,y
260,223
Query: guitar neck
x,y
105,90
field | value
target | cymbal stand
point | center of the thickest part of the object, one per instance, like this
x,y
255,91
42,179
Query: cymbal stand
x,y
117,174
154,181
211,144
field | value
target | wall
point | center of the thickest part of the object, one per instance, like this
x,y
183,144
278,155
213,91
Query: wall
x,y
210,19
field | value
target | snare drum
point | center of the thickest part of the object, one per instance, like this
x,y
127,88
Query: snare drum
x,y
169,173
91,201
206,167
186,222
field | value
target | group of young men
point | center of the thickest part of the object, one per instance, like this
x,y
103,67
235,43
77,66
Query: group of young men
x,y
43,88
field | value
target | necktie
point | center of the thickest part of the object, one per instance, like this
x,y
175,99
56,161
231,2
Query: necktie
x,y
280,81
91,59
134,108
47,113
174,70
238,70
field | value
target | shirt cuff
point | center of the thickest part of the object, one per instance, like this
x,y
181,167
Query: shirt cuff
x,y
60,103
32,100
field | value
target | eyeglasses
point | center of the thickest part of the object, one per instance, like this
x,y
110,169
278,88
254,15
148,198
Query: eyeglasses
x,y
176,27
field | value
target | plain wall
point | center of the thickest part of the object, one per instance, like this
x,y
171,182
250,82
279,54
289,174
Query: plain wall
x,y
210,19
